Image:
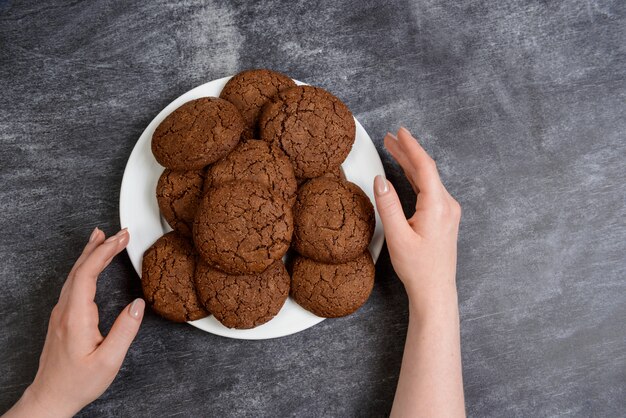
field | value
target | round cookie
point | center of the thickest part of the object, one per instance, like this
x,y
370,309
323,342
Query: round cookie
x,y
178,195
332,290
256,161
243,301
242,227
249,90
336,172
197,134
313,127
167,279
333,220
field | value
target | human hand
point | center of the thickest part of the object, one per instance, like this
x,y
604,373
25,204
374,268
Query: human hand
x,y
423,253
422,248
77,363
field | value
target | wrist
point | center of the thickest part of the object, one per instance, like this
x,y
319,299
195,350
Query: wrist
x,y
37,403
437,301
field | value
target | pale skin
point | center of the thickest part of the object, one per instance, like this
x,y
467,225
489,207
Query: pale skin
x,y
78,364
423,253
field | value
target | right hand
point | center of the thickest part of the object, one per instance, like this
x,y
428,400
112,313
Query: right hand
x,y
422,248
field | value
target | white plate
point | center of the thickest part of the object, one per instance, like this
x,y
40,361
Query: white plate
x,y
139,213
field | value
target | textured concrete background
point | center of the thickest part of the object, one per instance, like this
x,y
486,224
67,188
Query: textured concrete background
x,y
522,104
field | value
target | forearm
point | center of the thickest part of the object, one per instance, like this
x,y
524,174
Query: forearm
x,y
430,383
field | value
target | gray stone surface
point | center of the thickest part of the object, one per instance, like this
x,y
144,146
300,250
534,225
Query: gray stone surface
x,y
522,104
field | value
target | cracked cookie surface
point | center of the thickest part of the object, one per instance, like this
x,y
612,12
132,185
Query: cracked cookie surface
x,y
313,127
178,195
333,220
197,134
167,279
249,90
332,290
243,301
336,172
242,227
256,161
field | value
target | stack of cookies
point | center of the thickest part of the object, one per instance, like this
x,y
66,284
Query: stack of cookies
x,y
238,204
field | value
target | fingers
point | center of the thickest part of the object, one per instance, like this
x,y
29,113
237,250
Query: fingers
x,y
86,274
418,164
115,346
391,143
96,238
390,209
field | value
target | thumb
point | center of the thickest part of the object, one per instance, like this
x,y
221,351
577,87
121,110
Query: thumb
x,y
123,332
389,208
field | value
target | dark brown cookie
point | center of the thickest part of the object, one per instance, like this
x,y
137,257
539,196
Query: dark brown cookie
x,y
167,279
242,227
335,173
255,160
332,290
178,195
243,301
250,90
197,134
314,128
333,220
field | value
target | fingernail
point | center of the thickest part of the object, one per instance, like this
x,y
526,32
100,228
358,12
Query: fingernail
x,y
405,131
391,136
118,237
136,308
94,234
124,236
380,185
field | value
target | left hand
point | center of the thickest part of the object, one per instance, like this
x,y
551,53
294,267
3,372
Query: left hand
x,y
77,363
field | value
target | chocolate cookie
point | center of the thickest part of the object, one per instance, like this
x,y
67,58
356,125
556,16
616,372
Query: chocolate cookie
x,y
314,128
332,290
250,90
242,227
167,279
335,173
333,220
255,160
243,301
178,195
197,134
